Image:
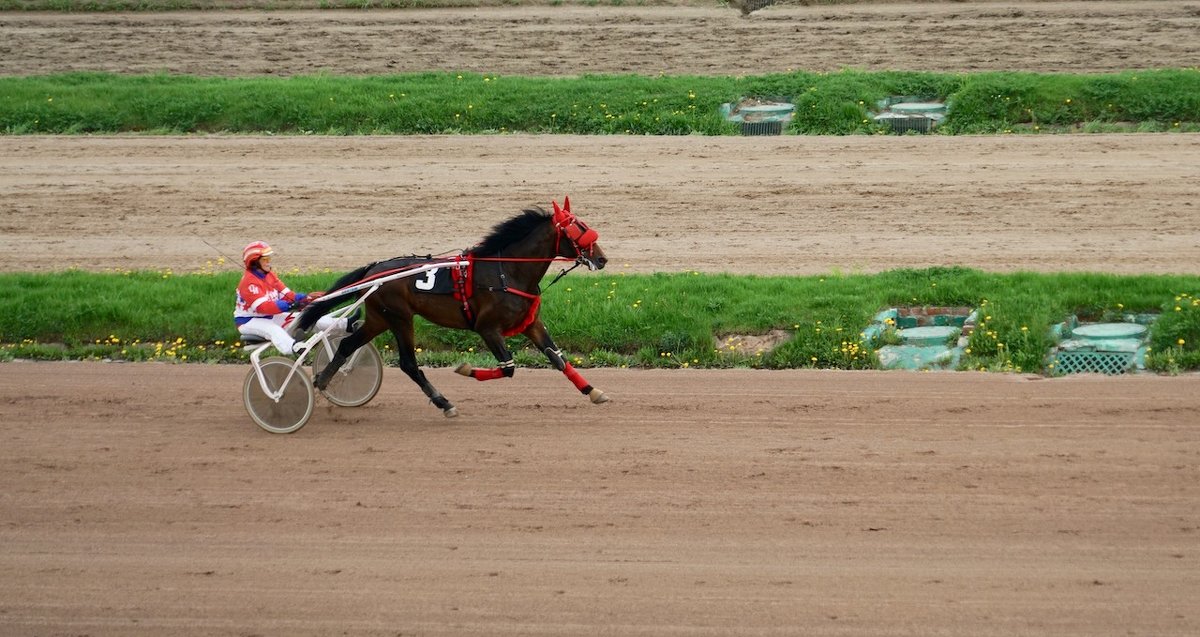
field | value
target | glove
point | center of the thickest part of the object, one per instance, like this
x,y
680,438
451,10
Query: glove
x,y
301,298
283,305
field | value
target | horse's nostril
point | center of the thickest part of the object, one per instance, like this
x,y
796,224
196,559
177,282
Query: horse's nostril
x,y
601,261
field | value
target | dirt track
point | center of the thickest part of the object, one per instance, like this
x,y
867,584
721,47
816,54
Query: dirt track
x,y
791,205
945,36
141,500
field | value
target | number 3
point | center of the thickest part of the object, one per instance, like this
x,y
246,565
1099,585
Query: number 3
x,y
427,283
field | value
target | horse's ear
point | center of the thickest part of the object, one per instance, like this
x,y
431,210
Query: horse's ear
x,y
557,211
566,203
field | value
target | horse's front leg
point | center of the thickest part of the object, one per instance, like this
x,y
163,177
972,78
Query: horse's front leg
x,y
538,335
495,343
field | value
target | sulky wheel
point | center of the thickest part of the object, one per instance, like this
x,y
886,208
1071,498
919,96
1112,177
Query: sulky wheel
x,y
293,408
358,380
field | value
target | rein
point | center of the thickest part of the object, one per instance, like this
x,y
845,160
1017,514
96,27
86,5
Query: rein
x,y
562,273
523,259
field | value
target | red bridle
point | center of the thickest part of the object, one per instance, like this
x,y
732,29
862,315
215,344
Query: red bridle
x,y
576,231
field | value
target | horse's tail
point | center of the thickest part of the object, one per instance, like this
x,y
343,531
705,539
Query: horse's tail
x,y
322,306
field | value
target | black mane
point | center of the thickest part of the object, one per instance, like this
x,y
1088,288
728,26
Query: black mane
x,y
509,232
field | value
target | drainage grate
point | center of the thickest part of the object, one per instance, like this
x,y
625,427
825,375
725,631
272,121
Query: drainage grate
x,y
762,128
759,115
1110,363
1100,348
915,124
911,115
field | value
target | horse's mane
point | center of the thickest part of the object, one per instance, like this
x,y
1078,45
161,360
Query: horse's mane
x,y
509,232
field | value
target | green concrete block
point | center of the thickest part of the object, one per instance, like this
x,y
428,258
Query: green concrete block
x,y
916,357
929,335
886,315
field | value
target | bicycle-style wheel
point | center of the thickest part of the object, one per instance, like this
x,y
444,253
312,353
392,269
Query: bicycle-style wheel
x,y
358,380
295,405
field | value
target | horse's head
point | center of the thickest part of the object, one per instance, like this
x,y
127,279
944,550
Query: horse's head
x,y
575,239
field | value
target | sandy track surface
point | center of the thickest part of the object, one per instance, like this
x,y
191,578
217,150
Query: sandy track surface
x,y
140,500
943,36
785,205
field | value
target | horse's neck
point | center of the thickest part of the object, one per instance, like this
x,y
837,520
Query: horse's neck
x,y
530,260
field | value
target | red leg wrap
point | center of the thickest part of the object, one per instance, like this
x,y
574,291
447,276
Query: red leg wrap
x,y
576,378
487,374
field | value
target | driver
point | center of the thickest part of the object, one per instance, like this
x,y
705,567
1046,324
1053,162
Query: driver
x,y
264,304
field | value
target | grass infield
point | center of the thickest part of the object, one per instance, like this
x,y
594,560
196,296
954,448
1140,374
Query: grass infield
x,y
840,103
660,320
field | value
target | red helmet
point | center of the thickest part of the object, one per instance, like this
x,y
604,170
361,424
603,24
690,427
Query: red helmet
x,y
255,251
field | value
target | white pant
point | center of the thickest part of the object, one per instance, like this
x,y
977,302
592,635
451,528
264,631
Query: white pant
x,y
277,329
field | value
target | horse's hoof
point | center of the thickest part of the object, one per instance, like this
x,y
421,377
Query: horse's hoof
x,y
598,396
321,382
463,370
451,412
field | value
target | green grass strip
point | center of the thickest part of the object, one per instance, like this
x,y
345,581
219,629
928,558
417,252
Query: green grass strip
x,y
660,320
438,103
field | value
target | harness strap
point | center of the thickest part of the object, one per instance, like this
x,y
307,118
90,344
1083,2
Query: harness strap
x,y
530,316
463,278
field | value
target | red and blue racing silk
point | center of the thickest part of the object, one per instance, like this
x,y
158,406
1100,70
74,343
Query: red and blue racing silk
x,y
257,295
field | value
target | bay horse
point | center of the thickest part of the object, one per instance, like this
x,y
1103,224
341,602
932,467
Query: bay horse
x,y
496,294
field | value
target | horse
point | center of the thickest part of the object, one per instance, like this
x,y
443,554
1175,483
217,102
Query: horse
x,y
496,294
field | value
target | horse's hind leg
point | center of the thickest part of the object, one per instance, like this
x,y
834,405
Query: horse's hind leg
x,y
372,325
402,328
538,335
357,339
